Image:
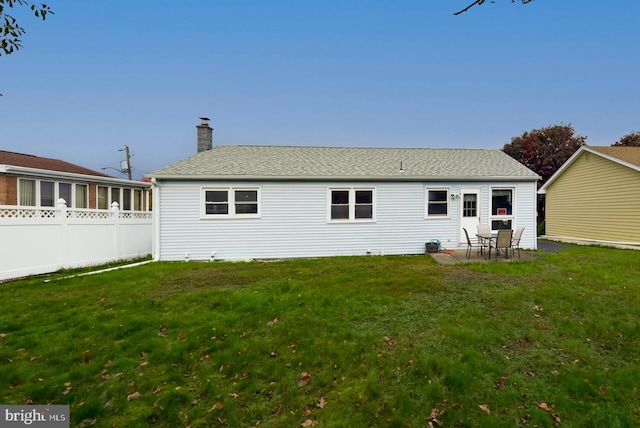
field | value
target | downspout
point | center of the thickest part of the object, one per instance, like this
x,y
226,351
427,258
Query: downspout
x,y
156,219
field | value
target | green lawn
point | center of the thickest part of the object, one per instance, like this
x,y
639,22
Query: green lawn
x,y
336,342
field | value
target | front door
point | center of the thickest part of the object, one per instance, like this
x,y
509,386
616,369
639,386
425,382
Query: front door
x,y
469,213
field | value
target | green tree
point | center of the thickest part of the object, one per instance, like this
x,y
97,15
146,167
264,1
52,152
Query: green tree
x,y
629,140
10,30
479,2
545,150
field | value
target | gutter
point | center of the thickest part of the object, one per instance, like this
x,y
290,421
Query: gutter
x,y
411,178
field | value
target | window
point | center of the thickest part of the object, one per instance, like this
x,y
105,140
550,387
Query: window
x,y
47,193
27,192
115,195
64,192
351,204
137,200
246,201
230,202
501,208
126,199
437,203
82,196
470,205
103,198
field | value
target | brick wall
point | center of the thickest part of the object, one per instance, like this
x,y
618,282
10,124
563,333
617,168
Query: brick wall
x,y
8,190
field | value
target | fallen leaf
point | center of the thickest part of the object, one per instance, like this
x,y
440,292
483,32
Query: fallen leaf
x,y
144,355
66,391
216,406
3,335
321,403
545,406
308,423
233,395
274,321
133,396
305,378
485,408
556,418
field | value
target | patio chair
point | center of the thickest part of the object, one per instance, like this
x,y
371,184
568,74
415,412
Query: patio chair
x,y
503,242
484,229
470,245
515,242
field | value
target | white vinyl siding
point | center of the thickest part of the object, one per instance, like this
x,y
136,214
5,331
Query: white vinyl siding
x,y
293,221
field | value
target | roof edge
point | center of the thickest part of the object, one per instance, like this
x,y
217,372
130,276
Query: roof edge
x,y
36,172
338,178
574,157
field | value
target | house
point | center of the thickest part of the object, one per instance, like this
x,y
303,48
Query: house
x,y
33,181
254,202
595,196
55,215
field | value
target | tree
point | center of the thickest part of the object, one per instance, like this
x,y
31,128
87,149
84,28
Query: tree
x,y
545,150
629,140
11,31
479,2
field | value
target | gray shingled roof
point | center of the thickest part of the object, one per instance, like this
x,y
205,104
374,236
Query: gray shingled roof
x,y
346,163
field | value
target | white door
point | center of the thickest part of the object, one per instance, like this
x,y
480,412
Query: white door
x,y
469,213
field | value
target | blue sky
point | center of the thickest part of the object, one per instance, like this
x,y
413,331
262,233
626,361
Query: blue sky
x,y
99,75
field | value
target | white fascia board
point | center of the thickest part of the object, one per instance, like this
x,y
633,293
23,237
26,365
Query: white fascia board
x,y
338,178
45,173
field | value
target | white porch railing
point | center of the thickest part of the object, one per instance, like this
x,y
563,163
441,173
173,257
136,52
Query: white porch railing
x,y
43,240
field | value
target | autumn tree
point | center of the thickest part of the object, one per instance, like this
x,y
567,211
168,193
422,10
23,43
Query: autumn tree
x,y
479,2
629,140
545,150
10,30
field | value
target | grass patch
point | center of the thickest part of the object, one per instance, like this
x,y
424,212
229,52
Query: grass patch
x,y
337,342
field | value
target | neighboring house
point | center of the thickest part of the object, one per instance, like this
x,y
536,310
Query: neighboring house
x,y
55,215
595,196
249,202
33,181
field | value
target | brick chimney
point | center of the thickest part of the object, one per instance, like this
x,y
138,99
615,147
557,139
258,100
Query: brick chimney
x,y
205,135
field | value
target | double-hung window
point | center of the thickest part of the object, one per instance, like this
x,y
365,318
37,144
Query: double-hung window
x,y
437,203
230,202
351,204
502,208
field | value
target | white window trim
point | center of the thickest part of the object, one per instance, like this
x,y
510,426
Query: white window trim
x,y
352,205
426,203
495,217
231,201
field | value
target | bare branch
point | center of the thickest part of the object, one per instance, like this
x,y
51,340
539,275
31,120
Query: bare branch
x,y
482,1
469,7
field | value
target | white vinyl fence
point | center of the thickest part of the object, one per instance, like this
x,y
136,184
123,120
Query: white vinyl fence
x,y
43,240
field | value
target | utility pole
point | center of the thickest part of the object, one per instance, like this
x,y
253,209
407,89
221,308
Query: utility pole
x,y
126,164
